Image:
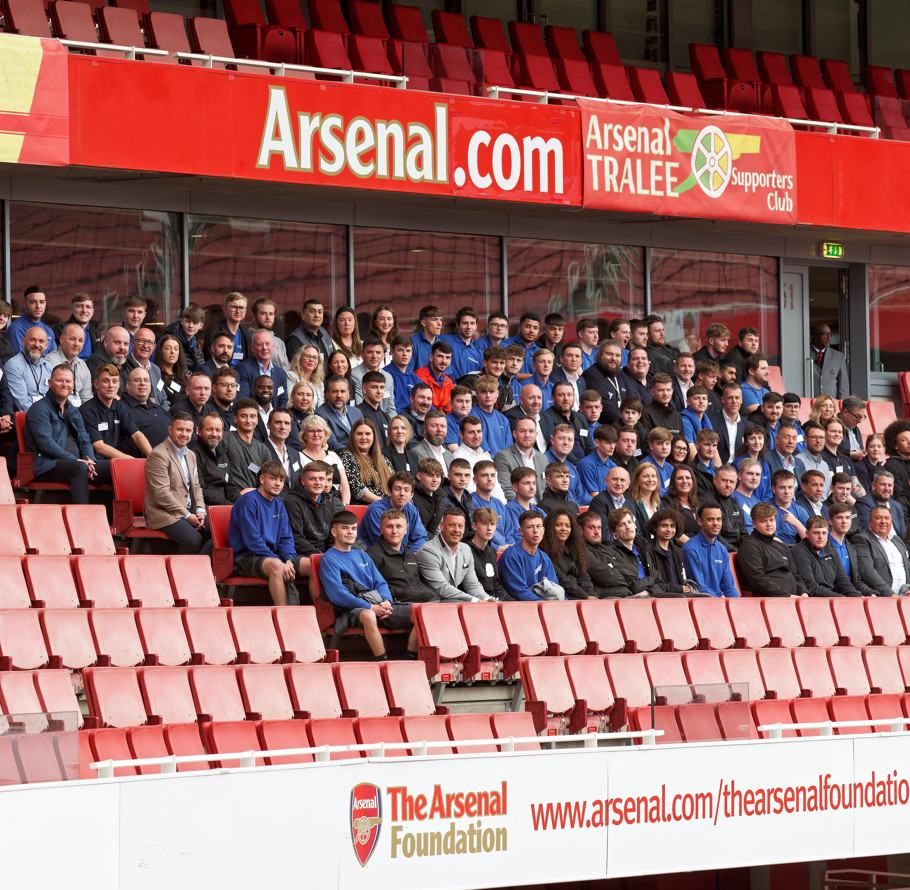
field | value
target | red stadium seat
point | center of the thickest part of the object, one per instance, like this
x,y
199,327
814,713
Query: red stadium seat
x,y
167,695
661,717
849,707
252,36
369,54
806,73
216,693
289,15
19,699
50,581
222,554
454,69
665,670
283,735
426,729
629,679
880,81
147,581
184,740
230,737
788,102
821,104
366,18
778,673
441,644
770,711
254,633
903,658
639,626
521,623
27,17
809,710
886,708
562,43
575,77
902,81
881,414
682,88
407,689
601,626
748,623
86,756
889,115
515,725
406,23
56,694
112,744
698,723
43,530
381,730
712,622
326,49
489,34
483,632
114,698
167,30
612,82
814,672
590,684
313,690
550,700
776,379
299,635
818,622
192,581
851,620
14,590
537,73
210,37
73,21
360,689
265,692
164,636
836,75
116,636
600,48
147,742
466,727
448,27
883,670
783,621
740,64
334,732
735,720
210,638
326,15
496,68
22,645
140,6
11,541
706,674
647,86
88,529
741,666
562,627
100,582
526,38
69,637
121,26
674,621
716,87
848,671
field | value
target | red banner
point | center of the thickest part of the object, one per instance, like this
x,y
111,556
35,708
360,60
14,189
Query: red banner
x,y
643,159
141,116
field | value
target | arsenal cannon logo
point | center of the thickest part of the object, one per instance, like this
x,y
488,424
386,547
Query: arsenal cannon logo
x,y
366,820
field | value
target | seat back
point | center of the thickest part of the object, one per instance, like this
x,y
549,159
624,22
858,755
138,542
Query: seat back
x,y
283,735
662,717
489,34
464,727
14,589
806,72
366,18
192,580
427,729
313,690
381,730
880,81
264,691
368,54
448,27
27,17
112,744
286,13
230,736
881,414
406,688
69,637
441,638
848,670
537,73
140,6
706,63
814,672
185,740
563,44
120,25
769,712
612,81
50,581
100,581
147,742
88,529
128,480
545,682
254,633
562,627
334,732
741,666
216,693
712,622
298,633
704,669
600,48
73,21
817,621
883,669
748,622
698,723
773,68
741,65
851,620
483,629
647,86
778,673
167,30
56,693
43,529
526,38
209,636
163,635
783,621
590,683
326,15
406,23
515,725
639,626
601,625
167,694
836,74
113,696
674,623
788,102
809,710
326,49
521,624
147,581
821,103
19,697
629,679
210,37
885,621
116,636
22,645
665,670
575,77
360,688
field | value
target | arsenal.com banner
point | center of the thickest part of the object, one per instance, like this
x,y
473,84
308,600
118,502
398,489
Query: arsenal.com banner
x,y
643,159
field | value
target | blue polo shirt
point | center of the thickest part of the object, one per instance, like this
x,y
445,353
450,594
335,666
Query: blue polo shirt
x,y
466,357
785,532
421,355
497,434
709,566
842,553
592,472
499,508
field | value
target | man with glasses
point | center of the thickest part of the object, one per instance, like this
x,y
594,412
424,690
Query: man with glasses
x,y
853,413
829,367
143,346
234,314
496,332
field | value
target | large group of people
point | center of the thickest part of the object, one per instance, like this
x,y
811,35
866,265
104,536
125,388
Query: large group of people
x,y
491,467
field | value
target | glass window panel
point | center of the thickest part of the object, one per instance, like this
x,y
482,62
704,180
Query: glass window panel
x,y
889,24
108,253
777,26
836,33
889,317
273,258
692,289
407,270
639,28
576,280
505,10
694,21
577,14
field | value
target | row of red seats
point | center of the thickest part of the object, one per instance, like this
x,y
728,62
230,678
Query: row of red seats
x,y
55,530
136,696
464,642
598,694
80,638
109,582
234,737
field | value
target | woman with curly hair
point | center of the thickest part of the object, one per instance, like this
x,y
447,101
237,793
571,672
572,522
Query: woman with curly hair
x,y
664,527
823,408
755,444
367,470
682,497
564,544
306,365
346,336
897,444
384,324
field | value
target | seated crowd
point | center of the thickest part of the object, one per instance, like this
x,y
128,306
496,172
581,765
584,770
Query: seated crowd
x,y
491,468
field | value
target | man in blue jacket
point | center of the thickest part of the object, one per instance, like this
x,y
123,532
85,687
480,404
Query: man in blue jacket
x,y
524,565
401,489
260,536
706,558
352,584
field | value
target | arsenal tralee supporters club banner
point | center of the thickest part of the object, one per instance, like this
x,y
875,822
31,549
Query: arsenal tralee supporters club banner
x,y
644,159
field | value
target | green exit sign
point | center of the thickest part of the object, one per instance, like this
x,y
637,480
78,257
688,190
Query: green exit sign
x,y
831,250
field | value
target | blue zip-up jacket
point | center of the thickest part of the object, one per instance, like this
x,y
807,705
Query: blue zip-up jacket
x,y
357,565
404,382
261,527
691,423
46,430
368,530
518,570
709,566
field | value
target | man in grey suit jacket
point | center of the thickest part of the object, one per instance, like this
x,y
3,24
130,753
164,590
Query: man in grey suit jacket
x,y
447,565
521,454
882,556
433,442
829,367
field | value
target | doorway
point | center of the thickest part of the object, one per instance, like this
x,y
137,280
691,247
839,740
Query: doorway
x,y
828,287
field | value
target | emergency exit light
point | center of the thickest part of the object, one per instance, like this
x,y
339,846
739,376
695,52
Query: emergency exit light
x,y
831,250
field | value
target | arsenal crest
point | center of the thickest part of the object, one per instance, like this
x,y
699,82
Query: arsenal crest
x,y
366,820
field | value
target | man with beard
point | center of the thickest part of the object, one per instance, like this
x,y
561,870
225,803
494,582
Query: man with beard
x,y
263,391
70,343
604,378
114,349
221,353
337,411
27,372
433,443
212,462
224,393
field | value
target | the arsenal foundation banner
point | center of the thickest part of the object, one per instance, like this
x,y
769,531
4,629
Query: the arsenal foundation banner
x,y
643,159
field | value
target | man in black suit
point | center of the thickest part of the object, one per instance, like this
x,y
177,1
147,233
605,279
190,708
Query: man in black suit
x,y
683,377
279,426
882,556
612,497
728,424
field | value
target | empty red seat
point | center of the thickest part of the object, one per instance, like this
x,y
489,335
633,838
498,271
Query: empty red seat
x,y
167,30
209,37
667,676
167,694
43,529
526,38
712,622
121,26
326,49
639,626
741,667
11,541
887,708
185,740
441,643
100,582
113,697
849,708
360,689
50,581
147,742
192,581
851,620
369,54
146,580
806,73
515,725
254,633
817,621
883,670
231,737
427,729
116,636
836,75
562,43
496,69
22,645
590,684
706,675
814,672
522,627
86,525
385,731
612,82
265,692
163,636
73,21
487,643
454,69
313,690
14,590
69,637
788,102
284,735
489,34
848,671
209,636
601,625
748,621
27,17
550,700
778,673
783,621
698,723
675,623
19,699
821,103
537,73
629,679
880,81
773,68
407,690
889,115
770,711
366,18
326,15
662,717
740,65
719,90
600,48
647,86
406,23
562,627
299,635
575,77
735,720
466,727
56,694
216,693
448,27
809,710
252,36
334,732
881,414
112,744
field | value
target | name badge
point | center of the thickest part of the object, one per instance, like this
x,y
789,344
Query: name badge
x,y
839,469
173,386
253,467
491,572
583,432
238,357
232,428
36,398
295,466
159,384
280,391
102,426
637,452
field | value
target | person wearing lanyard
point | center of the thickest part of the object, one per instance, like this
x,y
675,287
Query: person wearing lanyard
x,y
28,372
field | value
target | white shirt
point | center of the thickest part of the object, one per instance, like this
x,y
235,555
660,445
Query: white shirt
x,y
731,430
283,455
895,563
573,380
685,387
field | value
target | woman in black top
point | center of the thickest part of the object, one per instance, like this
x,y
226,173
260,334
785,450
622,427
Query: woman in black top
x,y
564,544
682,496
395,451
872,462
171,360
667,554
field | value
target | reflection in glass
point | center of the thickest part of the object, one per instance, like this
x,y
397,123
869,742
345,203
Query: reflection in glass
x,y
889,317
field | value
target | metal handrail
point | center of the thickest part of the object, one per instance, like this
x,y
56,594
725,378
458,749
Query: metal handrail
x,y
130,51
826,727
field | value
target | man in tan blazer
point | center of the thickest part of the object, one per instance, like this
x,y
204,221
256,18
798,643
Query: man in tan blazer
x,y
174,502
